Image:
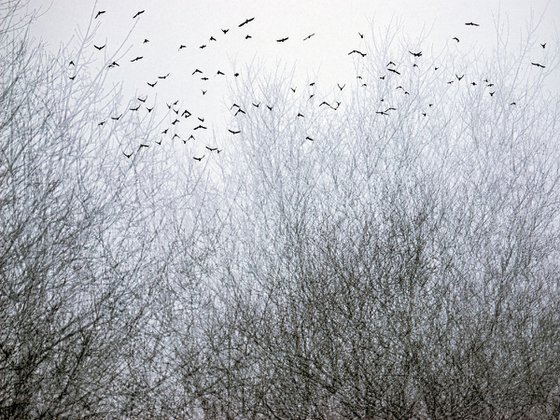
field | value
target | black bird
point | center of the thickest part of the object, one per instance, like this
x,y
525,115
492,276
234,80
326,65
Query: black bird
x,y
238,111
341,87
248,36
164,77
382,77
390,63
136,59
165,131
149,109
309,36
246,22
138,14
211,148
269,107
459,78
101,123
146,40
191,137
71,63
176,136
538,65
204,78
99,13
72,77
361,35
199,158
175,121
471,24
235,106
381,112
204,92
99,48
135,109
196,71
176,102
312,84
212,38
282,39
236,74
143,145
436,68
473,83
256,105
390,109
234,132
128,155
159,142
152,84
492,93
424,114
543,45
418,54
309,138
116,118
293,89
299,114
225,31
394,71
202,46
200,126
357,52
450,82
200,119
113,64
455,39
219,73
186,113
513,103
182,46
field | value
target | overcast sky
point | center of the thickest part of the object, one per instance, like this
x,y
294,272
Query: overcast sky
x,y
324,57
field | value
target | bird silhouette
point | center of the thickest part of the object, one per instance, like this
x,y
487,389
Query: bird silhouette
x,y
164,77
239,111
196,71
538,65
212,149
309,138
309,36
203,91
212,38
199,158
202,46
256,105
135,109
149,109
146,40
418,54
99,48
113,64
473,83
182,46
165,131
138,14
175,121
200,127
102,123
543,45
357,52
270,107
459,78
394,71
225,31
72,77
136,59
246,21
381,112
143,145
220,73
491,93
236,74
128,155
116,118
299,114
234,131
513,103
390,63
99,13
341,87
471,24
382,77
248,36
152,84
361,35
455,39
282,39
71,63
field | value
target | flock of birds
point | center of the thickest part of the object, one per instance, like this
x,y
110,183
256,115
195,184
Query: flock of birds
x,y
180,114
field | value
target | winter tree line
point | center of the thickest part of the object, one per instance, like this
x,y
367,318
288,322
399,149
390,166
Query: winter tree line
x,y
393,268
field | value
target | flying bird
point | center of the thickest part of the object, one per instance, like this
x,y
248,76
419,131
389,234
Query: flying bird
x,y
248,36
138,14
135,109
99,13
390,63
116,118
99,48
136,59
128,155
149,109
361,35
212,149
299,114
309,36
199,158
246,22
394,71
204,91
381,112
182,46
146,40
418,54
455,39
165,131
71,63
341,87
238,111
543,45
200,126
357,52
471,24
212,38
538,65
164,77
196,71
113,64
234,132
459,78
309,138
143,145
152,84
225,31
202,46
220,73
282,39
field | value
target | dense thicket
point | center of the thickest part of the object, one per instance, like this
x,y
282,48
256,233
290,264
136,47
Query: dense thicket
x,y
397,266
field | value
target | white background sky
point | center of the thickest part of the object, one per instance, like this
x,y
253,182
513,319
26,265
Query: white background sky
x,y
167,24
